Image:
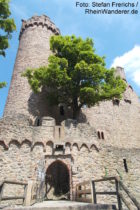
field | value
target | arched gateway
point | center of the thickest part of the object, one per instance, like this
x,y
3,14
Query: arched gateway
x,y
57,181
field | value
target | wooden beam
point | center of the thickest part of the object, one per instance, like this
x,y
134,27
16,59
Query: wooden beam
x,y
12,198
1,191
106,193
125,202
105,179
118,195
94,192
86,191
14,182
130,195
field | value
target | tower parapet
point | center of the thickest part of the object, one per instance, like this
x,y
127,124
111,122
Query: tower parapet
x,y
43,21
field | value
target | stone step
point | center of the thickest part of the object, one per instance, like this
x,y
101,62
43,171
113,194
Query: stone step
x,y
64,205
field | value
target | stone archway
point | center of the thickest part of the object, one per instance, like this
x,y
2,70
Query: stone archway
x,y
57,181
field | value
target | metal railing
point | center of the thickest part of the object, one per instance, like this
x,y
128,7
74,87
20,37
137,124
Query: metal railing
x,y
4,198
84,189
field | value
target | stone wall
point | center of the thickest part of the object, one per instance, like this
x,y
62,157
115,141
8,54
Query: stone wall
x,y
22,162
119,122
25,146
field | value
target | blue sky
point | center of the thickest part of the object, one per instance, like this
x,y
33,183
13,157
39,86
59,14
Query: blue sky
x,y
115,36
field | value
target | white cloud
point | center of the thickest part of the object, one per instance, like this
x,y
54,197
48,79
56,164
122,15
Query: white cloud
x,y
137,77
130,61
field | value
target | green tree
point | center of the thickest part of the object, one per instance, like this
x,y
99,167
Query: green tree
x,y
7,26
76,75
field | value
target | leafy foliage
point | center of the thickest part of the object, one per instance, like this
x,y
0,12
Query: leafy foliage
x,y
7,26
2,84
75,74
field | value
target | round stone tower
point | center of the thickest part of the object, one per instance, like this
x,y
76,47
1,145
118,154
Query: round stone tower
x,y
33,51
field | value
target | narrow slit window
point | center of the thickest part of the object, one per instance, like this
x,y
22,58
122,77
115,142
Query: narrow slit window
x,y
62,112
38,122
99,136
125,165
127,101
102,134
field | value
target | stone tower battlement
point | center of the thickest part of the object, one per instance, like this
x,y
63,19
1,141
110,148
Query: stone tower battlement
x,y
43,21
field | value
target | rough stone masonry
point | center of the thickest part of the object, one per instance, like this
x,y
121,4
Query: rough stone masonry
x,y
39,142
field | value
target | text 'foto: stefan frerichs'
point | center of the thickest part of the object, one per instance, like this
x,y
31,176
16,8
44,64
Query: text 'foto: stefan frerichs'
x,y
105,4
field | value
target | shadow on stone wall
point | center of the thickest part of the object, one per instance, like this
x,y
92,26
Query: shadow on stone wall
x,y
38,106
82,117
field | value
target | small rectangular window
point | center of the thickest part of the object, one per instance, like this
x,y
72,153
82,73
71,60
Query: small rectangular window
x,y
59,147
116,102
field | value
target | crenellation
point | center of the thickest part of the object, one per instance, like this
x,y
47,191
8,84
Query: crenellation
x,y
43,21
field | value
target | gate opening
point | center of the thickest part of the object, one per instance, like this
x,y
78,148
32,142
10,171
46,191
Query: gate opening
x,y
57,181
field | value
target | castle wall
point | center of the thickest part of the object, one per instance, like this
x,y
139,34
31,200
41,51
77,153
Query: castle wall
x,y
114,162
120,123
24,162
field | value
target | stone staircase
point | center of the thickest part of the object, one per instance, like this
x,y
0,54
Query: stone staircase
x,y
64,205
86,197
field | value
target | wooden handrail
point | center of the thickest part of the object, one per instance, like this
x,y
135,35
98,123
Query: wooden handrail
x,y
118,185
130,195
13,182
125,201
105,179
12,197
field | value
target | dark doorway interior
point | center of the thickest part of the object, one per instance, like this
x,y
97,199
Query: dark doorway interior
x,y
57,181
62,112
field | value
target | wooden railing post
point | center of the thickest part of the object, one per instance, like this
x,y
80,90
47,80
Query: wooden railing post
x,y
1,191
94,192
118,195
28,194
132,198
25,194
85,190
